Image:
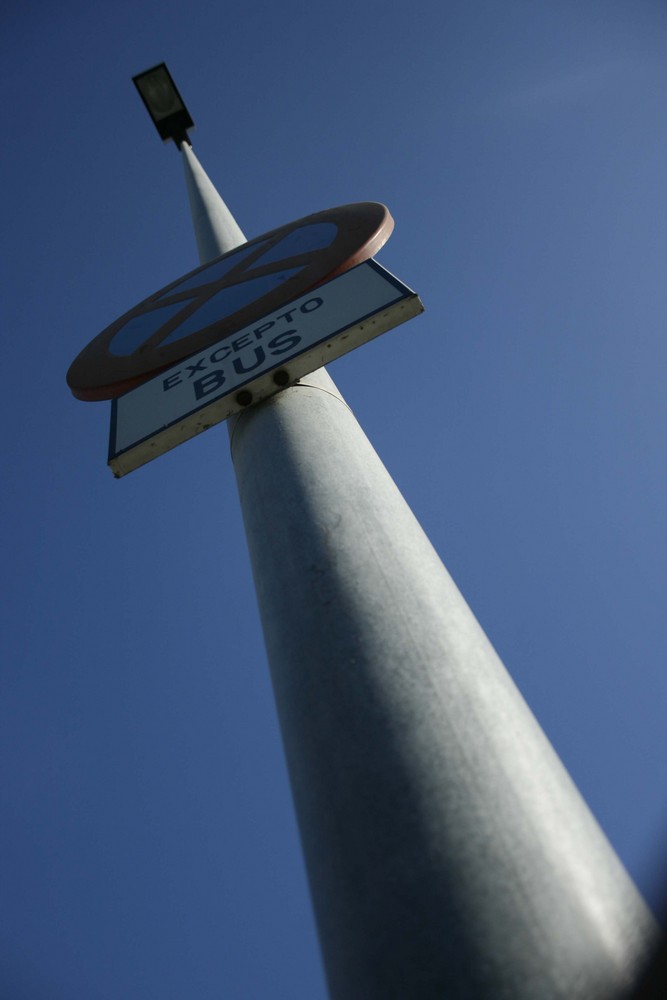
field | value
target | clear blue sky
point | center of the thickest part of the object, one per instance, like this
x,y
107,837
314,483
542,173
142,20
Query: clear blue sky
x,y
148,847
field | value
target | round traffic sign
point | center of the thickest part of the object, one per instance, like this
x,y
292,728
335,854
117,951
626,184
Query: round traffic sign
x,y
222,297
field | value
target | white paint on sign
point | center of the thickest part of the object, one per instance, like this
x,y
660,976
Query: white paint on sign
x,y
208,387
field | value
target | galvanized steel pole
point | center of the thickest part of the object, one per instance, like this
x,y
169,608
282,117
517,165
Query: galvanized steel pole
x,y
216,229
448,852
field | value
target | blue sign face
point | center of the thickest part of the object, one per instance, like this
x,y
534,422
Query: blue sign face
x,y
222,297
236,284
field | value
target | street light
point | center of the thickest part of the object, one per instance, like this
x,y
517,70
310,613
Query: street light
x,y
446,846
164,104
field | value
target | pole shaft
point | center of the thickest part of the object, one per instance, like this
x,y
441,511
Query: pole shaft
x,y
448,852
216,229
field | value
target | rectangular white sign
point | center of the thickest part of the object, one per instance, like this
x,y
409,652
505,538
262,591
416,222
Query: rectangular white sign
x,y
255,363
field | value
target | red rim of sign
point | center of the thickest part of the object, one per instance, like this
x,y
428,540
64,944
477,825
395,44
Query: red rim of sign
x,y
146,340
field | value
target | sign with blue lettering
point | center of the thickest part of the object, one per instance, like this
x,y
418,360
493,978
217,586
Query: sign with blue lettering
x,y
257,361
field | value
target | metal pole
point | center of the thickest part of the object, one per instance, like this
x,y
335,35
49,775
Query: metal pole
x,y
216,229
448,852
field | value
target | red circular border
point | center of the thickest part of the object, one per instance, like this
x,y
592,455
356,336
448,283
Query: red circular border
x,y
363,228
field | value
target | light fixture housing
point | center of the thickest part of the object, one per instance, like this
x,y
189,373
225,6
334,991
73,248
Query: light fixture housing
x,y
164,104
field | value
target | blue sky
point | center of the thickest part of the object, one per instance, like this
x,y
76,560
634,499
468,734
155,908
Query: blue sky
x,y
148,846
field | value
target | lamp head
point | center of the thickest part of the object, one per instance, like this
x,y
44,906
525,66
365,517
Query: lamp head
x,y
164,104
